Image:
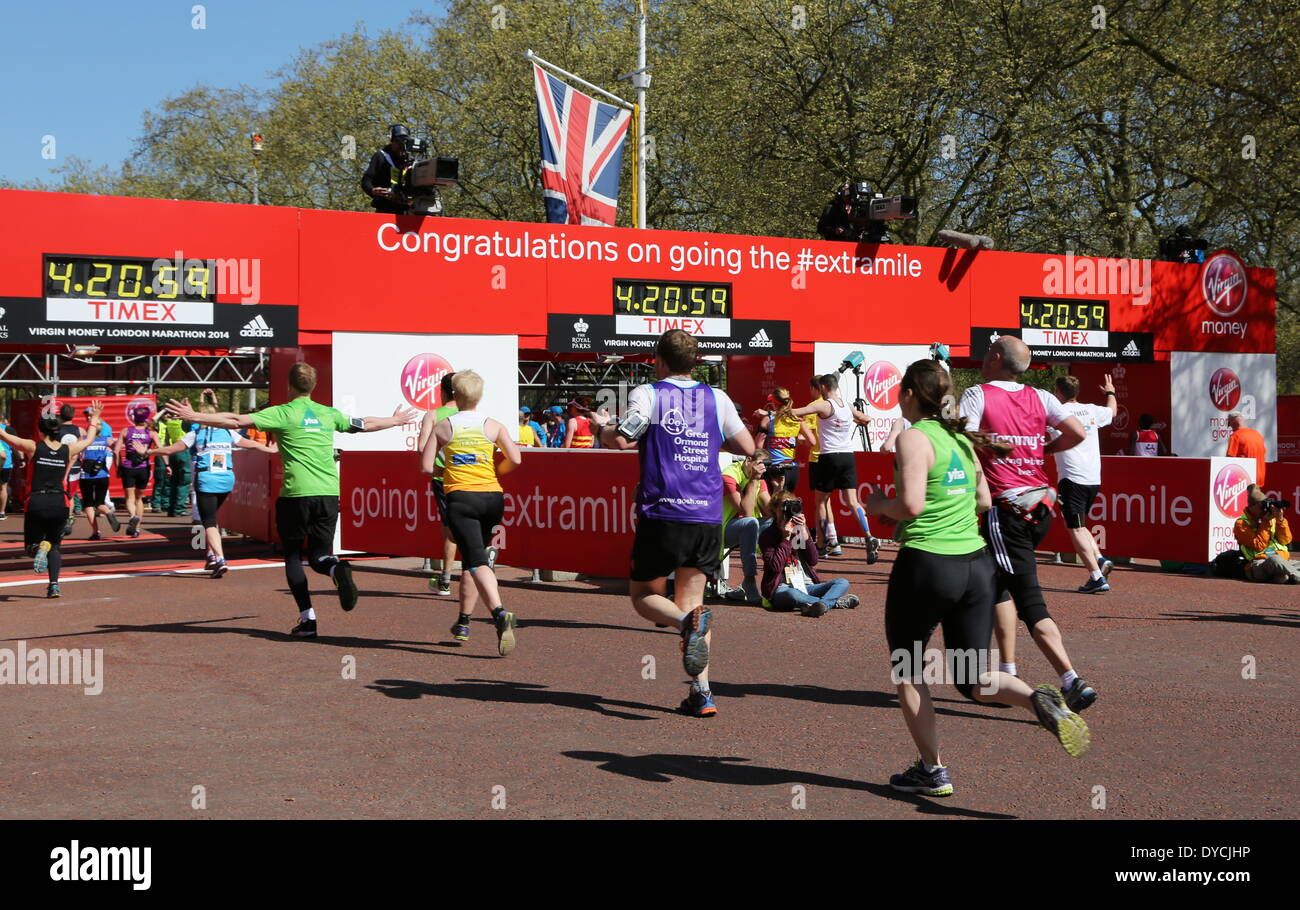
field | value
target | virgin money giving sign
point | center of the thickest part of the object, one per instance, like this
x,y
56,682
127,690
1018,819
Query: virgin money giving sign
x,y
883,366
1229,480
1205,388
376,372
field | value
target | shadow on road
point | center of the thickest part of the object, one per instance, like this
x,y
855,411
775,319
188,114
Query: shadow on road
x,y
516,692
865,698
718,770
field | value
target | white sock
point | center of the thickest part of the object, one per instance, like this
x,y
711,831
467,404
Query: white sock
x,y
1009,669
697,686
681,621
928,769
1068,678
1095,576
307,614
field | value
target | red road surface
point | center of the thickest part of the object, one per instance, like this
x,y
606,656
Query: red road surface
x,y
202,688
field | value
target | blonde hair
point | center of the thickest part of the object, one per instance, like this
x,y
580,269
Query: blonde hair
x,y
468,385
784,403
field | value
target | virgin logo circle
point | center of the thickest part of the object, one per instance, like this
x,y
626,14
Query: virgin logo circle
x,y
1225,389
882,382
1230,490
1223,282
422,380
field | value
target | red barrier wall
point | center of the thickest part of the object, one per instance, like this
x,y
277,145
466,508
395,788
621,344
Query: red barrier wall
x,y
250,507
1150,508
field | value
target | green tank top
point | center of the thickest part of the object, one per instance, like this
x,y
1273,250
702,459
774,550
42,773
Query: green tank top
x,y
948,525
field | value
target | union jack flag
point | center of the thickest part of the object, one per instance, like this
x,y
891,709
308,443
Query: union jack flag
x,y
582,152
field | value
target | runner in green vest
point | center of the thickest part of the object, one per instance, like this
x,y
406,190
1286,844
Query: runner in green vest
x,y
944,574
442,584
307,511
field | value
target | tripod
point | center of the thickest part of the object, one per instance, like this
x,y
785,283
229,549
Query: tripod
x,y
860,404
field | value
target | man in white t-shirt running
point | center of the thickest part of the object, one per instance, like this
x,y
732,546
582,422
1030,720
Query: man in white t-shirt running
x,y
1078,472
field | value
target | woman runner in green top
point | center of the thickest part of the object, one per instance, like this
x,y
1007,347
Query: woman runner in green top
x,y
944,574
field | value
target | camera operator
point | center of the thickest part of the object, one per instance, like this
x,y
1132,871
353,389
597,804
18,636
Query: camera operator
x,y
1263,534
790,578
383,177
836,222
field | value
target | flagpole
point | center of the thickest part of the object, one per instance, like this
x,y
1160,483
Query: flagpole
x,y
533,58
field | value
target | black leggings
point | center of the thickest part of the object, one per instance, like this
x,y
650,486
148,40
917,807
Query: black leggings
x,y
309,521
208,504
1012,540
47,513
471,517
926,589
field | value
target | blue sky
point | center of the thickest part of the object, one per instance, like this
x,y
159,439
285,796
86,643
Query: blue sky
x,y
85,72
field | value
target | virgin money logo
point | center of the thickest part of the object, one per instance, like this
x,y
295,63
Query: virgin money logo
x,y
882,382
422,380
1230,490
1223,282
1225,389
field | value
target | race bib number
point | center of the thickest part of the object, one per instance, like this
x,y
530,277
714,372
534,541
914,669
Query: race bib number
x,y
795,578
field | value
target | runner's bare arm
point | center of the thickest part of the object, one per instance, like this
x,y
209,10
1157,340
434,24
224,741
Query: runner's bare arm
x,y
1072,433
915,459
438,438
740,444
426,428
244,442
76,448
820,408
18,443
222,419
506,444
401,415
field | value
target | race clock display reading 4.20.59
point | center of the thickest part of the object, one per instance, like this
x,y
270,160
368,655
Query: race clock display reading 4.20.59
x,y
122,278
634,297
1064,315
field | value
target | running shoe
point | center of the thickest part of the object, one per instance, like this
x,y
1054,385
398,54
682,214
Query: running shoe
x,y
1080,695
916,780
460,631
209,563
41,560
133,526
698,704
815,609
847,602
695,648
506,625
3,517
873,550
219,568
94,536
347,587
1056,718
1106,566
114,522
1094,586
306,628
53,591
441,585
835,550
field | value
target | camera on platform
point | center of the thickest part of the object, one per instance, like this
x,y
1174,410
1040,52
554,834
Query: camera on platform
x,y
1181,246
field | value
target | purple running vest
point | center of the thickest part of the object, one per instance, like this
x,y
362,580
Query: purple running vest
x,y
130,457
680,477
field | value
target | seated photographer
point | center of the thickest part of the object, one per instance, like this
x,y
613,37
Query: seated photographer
x,y
744,499
1263,534
383,176
790,580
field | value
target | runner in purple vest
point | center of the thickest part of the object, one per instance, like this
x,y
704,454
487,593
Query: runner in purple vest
x,y
682,425
133,466
1021,516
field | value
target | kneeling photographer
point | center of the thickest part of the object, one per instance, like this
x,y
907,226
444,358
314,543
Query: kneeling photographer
x,y
790,580
1263,534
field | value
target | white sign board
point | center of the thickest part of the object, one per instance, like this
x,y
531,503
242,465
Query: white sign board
x,y
883,366
1204,388
375,372
1229,480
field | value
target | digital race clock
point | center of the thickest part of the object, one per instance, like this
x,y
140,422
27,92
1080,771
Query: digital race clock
x,y
125,279
1057,315
635,297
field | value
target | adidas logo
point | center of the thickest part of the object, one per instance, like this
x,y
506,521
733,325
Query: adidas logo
x,y
1131,349
257,328
760,340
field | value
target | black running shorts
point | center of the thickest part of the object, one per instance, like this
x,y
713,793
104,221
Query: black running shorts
x,y
837,471
134,477
1076,499
93,492
471,516
662,547
307,518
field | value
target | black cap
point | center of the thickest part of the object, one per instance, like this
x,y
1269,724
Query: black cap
x,y
397,131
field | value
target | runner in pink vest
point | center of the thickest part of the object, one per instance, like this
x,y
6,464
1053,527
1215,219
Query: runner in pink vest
x,y
1022,501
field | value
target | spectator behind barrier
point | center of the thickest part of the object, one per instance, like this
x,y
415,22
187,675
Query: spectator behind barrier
x,y
1263,534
